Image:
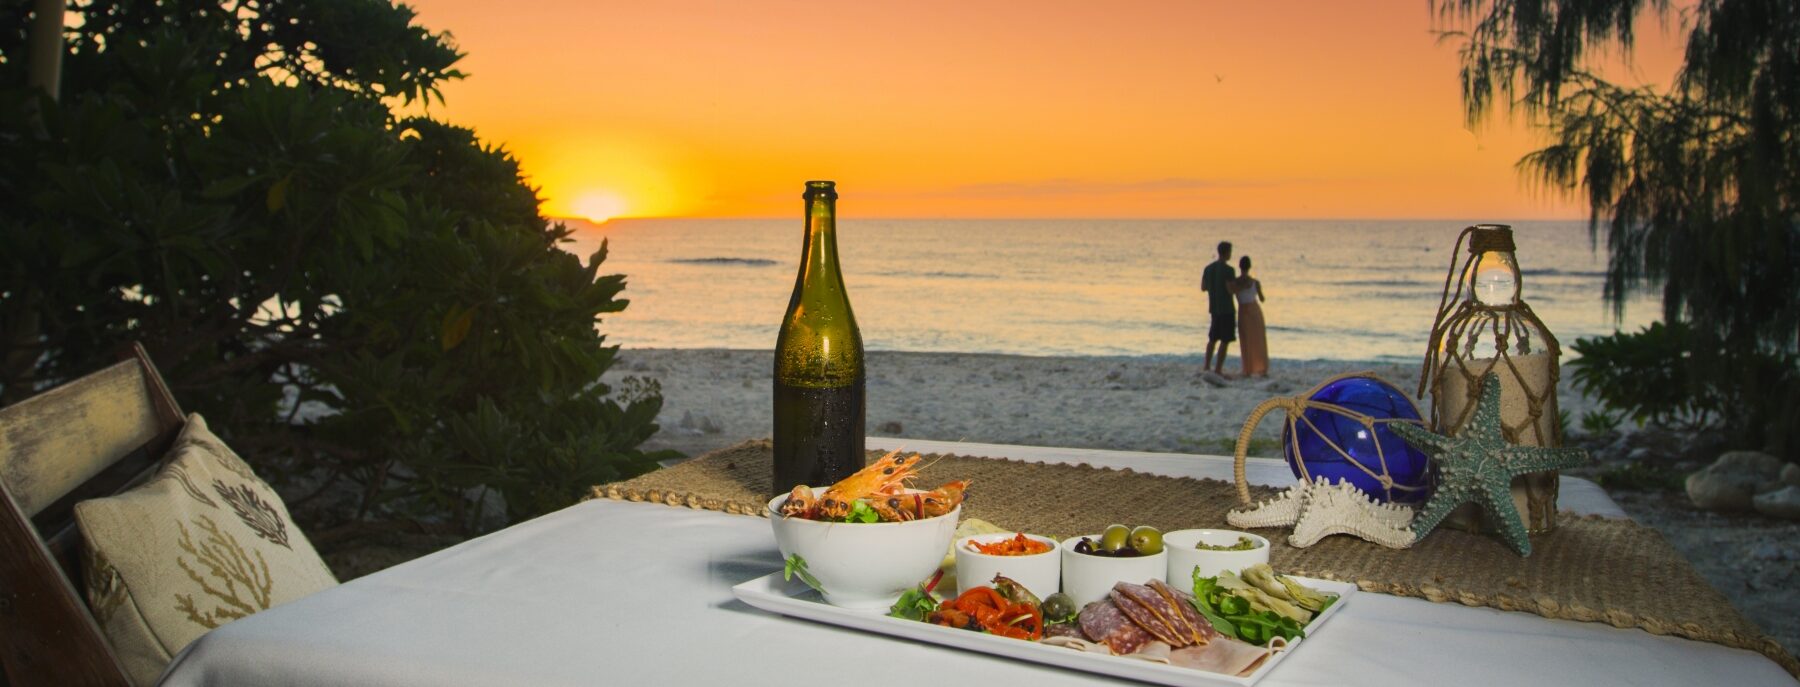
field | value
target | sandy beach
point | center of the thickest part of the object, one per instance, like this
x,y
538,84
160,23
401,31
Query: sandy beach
x,y
714,398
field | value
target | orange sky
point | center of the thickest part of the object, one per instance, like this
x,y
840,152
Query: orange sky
x,y
1041,108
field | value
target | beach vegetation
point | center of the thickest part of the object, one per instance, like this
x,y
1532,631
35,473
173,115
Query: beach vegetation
x,y
365,301
1641,476
1695,187
1600,421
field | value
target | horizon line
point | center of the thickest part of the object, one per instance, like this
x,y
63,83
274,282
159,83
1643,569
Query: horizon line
x,y
1066,218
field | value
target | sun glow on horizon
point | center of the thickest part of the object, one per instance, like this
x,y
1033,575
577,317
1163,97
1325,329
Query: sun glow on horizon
x,y
599,206
945,109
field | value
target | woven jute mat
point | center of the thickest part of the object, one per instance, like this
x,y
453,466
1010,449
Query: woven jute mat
x,y
1589,569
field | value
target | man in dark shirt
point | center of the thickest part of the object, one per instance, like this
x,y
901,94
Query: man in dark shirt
x,y
1222,306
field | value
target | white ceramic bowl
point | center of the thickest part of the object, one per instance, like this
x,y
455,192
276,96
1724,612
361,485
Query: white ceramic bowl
x,y
1039,572
1088,578
865,565
1184,558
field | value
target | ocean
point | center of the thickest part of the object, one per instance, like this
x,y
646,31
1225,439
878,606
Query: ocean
x,y
1337,289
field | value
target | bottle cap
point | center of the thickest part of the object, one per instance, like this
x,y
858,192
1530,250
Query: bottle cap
x,y
1491,238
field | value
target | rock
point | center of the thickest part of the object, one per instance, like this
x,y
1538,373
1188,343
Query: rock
x,y
695,425
890,427
1784,503
1733,480
1790,475
1770,552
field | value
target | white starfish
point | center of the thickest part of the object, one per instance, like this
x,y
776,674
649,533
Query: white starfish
x,y
1319,509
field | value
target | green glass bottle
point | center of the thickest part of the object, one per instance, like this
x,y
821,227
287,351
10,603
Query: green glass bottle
x,y
819,397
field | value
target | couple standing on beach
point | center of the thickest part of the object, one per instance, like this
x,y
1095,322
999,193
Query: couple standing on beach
x,y
1233,299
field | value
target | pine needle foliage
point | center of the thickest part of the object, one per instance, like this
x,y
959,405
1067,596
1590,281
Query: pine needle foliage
x,y
1695,188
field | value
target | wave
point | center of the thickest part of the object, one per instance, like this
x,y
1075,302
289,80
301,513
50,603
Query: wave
x,y
1390,283
742,262
939,275
1553,272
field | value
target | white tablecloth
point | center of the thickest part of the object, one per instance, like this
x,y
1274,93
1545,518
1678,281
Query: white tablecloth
x,y
609,592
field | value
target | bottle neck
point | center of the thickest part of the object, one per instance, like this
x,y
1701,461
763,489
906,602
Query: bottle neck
x,y
821,235
1495,281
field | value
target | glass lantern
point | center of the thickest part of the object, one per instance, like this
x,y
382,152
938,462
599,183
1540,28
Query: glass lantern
x,y
1483,325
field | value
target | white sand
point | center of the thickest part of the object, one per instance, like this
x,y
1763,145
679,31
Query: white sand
x,y
714,398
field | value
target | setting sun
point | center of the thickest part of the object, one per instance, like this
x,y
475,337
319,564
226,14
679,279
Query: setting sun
x,y
599,206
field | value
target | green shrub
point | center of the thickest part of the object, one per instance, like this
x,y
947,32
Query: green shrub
x,y
345,293
1645,376
1599,421
1642,477
1653,377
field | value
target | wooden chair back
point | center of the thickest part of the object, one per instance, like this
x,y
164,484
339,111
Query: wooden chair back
x,y
96,436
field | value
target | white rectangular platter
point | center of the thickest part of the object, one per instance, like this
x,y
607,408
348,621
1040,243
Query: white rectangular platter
x,y
792,598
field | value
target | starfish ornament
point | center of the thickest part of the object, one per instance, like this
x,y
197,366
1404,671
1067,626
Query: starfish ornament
x,y
1478,465
1319,509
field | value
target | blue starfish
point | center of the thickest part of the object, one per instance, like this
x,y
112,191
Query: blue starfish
x,y
1478,465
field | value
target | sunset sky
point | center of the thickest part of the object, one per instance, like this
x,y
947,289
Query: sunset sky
x,y
1180,109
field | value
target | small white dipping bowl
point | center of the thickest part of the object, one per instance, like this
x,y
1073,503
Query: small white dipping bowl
x,y
1039,572
865,566
1088,578
1184,558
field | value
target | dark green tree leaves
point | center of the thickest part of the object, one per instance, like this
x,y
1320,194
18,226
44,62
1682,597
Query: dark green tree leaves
x,y
350,296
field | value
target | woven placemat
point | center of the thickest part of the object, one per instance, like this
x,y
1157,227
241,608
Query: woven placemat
x,y
1589,569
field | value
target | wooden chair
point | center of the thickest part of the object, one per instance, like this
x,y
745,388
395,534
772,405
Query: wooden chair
x,y
95,436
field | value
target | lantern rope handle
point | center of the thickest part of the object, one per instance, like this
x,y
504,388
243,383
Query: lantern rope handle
x,y
1242,450
1445,304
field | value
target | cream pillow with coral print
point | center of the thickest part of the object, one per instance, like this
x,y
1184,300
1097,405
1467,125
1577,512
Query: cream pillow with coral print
x,y
202,543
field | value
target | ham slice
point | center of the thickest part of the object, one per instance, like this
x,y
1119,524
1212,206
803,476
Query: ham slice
x,y
1222,655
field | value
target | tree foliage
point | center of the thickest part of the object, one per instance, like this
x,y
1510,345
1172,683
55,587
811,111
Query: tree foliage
x,y
349,294
1696,188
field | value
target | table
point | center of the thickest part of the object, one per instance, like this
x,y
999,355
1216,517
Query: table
x,y
608,592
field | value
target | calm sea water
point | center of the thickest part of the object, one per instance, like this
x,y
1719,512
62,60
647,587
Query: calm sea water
x,y
1345,290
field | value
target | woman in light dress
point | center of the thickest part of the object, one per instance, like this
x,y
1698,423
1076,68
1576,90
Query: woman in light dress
x,y
1253,337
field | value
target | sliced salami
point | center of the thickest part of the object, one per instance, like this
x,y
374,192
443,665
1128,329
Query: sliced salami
x,y
1103,622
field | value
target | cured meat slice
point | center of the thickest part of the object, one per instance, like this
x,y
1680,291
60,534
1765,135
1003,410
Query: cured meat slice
x,y
1184,602
1156,609
1103,622
1222,655
1140,604
1062,630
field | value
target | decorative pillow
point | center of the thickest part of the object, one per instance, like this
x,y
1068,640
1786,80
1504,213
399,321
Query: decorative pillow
x,y
202,543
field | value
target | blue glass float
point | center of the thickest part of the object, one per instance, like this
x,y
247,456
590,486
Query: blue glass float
x,y
1407,468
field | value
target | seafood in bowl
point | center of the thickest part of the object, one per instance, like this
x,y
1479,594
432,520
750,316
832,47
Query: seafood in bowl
x,y
877,493
868,538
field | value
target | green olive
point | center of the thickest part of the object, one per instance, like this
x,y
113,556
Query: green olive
x,y
1058,608
1147,540
1114,538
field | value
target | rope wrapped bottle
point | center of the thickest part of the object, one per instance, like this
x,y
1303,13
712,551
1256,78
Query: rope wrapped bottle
x,y
1483,325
